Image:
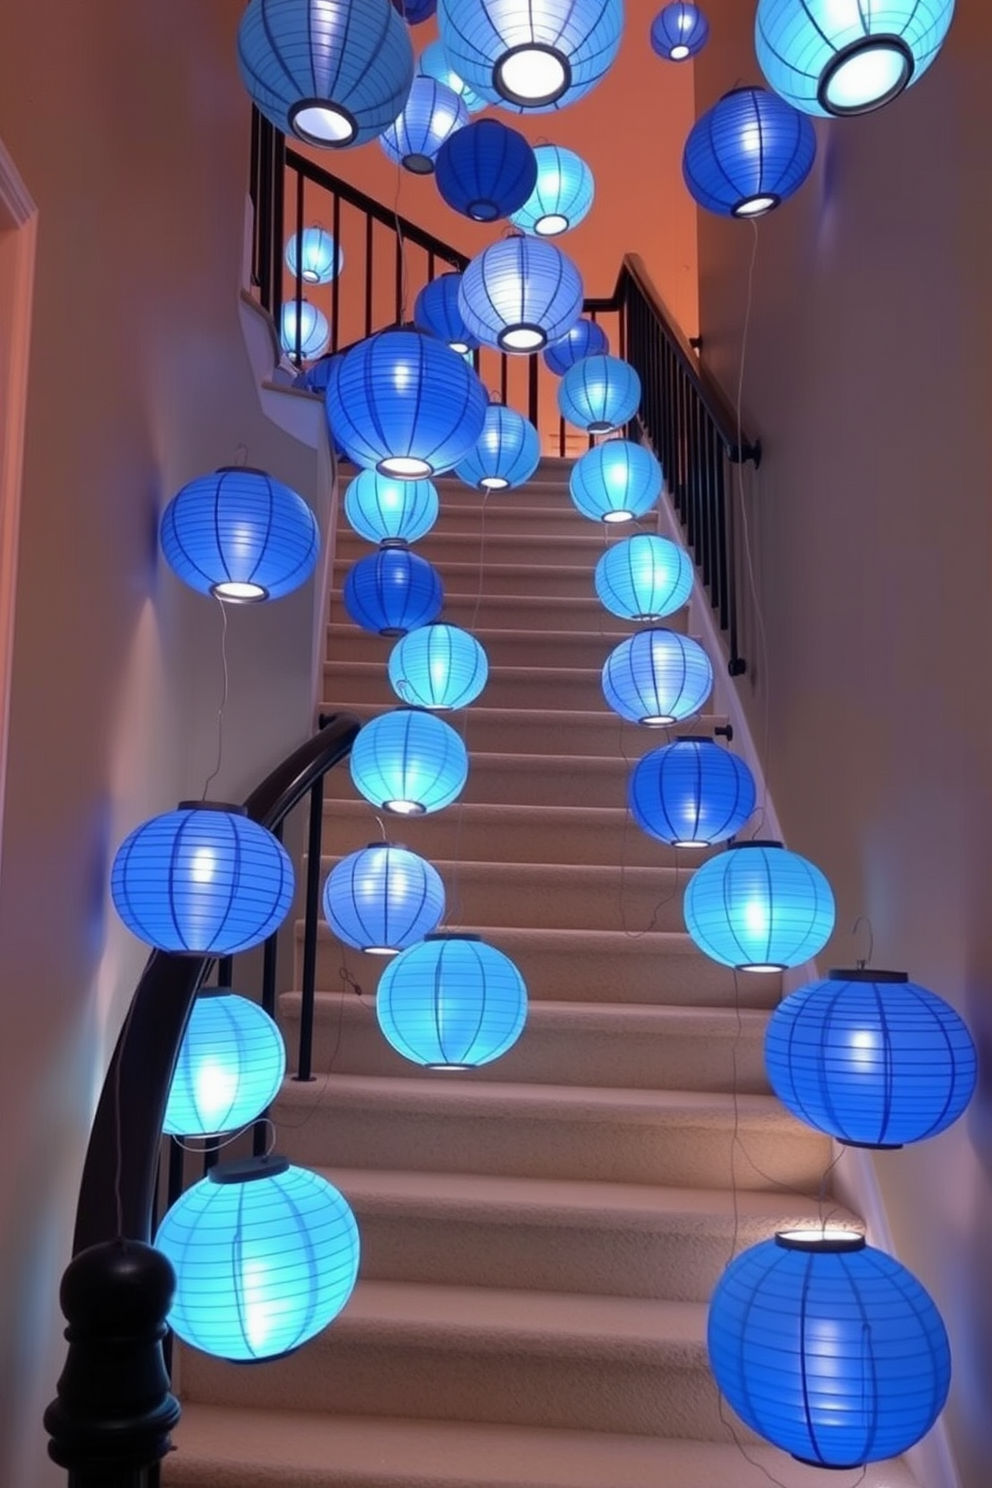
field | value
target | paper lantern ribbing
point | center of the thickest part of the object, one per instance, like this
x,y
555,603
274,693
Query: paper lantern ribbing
x,y
436,311
451,1002
409,762
302,323
433,62
265,1256
757,907
486,170
393,591
562,196
679,31
383,898
382,509
334,75
870,1057
615,482
520,293
321,260
231,1063
657,677
438,667
431,113
507,452
829,1348
599,394
644,578
691,793
748,153
586,338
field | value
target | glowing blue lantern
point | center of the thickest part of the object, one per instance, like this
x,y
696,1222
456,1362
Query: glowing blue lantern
x,y
404,404
757,907
691,793
431,113
436,311
393,591
871,1057
204,879
265,1256
586,338
486,170
535,57
561,198
438,666
409,762
451,1002
829,1348
315,379
240,536
320,259
599,394
644,578
520,293
679,31
383,899
507,453
231,1063
847,58
303,322
415,11
615,482
657,677
748,153
383,509
333,75
433,62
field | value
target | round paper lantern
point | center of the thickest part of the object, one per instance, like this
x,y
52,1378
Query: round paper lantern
x,y
433,62
204,879
562,196
748,153
321,260
599,394
507,453
383,899
520,293
383,509
314,331
436,311
657,677
393,591
451,1003
829,1348
404,404
870,1057
431,113
644,578
265,1256
691,793
847,59
438,666
415,11
615,482
586,338
486,170
315,379
231,1063
332,74
240,536
679,31
409,762
757,907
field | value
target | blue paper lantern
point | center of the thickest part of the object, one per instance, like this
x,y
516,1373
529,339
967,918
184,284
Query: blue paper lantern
x,y
748,153
507,452
303,321
829,1348
533,58
204,879
383,899
404,404
315,379
383,509
438,666
599,394
240,536
615,482
691,793
321,260
393,591
332,74
520,293
436,311
562,196
433,62
431,113
644,578
451,1003
486,170
870,1057
657,678
265,1256
586,338
847,59
757,907
231,1063
415,11
679,31
409,762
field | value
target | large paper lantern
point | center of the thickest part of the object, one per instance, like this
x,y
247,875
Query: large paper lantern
x,y
691,793
334,74
586,338
393,591
679,31
644,578
562,196
599,394
748,153
451,1002
506,454
520,293
757,907
265,1256
304,330
657,677
829,1348
409,762
486,170
438,667
871,1057
383,899
436,311
433,62
231,1063
431,113
320,259
382,509
615,482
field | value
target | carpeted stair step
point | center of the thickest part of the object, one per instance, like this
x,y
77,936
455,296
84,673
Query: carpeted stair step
x,y
527,613
534,578
510,648
548,514
526,780
574,549
537,686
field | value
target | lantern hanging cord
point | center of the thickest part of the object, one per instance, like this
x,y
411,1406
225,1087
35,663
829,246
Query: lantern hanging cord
x,y
762,639
864,961
241,455
455,912
347,981
223,702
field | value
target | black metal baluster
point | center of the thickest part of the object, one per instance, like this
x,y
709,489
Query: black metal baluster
x,y
533,399
298,338
277,227
336,282
310,920
369,246
270,954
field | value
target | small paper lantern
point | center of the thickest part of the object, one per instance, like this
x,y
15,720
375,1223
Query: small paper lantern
x,y
436,311
438,667
586,338
615,482
393,591
315,379
431,113
433,62
314,330
383,898
657,677
451,1003
599,394
691,793
265,1256
870,1057
748,153
486,170
321,259
757,907
383,509
231,1063
520,293
644,578
507,452
679,31
562,196
409,762
415,11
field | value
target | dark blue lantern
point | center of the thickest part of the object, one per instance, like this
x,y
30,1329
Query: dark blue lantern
x,y
431,113
748,153
486,170
393,591
586,338
520,293
679,31
436,311
691,793
415,11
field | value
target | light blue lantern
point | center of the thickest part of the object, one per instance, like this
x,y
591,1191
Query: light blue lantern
x,y
231,1063
679,31
657,677
265,1256
748,153
757,907
691,793
520,293
844,57
304,323
321,260
433,62
393,591
332,74
439,667
644,578
586,338
203,880
486,170
616,482
431,113
404,404
599,394
828,1348
383,509
562,197
453,1002
409,762
436,311
507,452
383,898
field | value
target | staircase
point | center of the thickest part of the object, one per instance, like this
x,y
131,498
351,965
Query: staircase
x,y
539,1237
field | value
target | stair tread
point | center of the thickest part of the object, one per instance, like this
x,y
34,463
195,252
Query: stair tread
x,y
629,1018
617,942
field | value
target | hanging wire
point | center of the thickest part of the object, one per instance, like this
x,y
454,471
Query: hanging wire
x,y
223,702
241,456
454,914
862,962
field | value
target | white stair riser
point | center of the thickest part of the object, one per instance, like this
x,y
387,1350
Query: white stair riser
x,y
525,780
504,648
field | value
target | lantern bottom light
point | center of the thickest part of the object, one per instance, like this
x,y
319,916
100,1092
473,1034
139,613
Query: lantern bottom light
x,y
322,123
532,74
865,75
405,467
